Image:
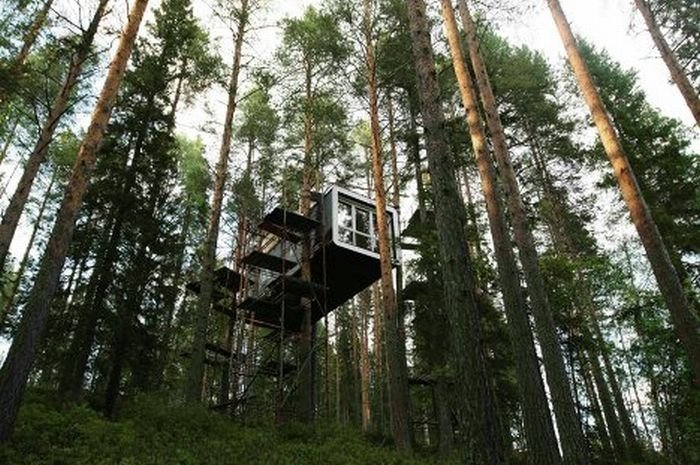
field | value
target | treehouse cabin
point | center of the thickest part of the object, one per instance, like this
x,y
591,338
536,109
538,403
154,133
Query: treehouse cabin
x,y
344,258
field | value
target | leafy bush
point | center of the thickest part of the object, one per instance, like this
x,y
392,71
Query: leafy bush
x,y
153,432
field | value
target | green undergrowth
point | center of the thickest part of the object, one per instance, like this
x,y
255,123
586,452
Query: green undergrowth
x,y
150,431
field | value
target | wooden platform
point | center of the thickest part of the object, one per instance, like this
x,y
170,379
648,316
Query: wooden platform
x,y
268,261
296,286
268,314
288,219
224,277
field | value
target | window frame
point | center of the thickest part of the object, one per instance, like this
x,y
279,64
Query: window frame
x,y
352,200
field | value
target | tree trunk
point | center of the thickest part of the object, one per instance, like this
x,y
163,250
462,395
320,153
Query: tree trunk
x,y
611,420
633,381
120,348
395,175
171,296
100,281
570,433
379,361
127,310
71,382
685,322
226,384
27,43
195,374
566,245
622,411
441,399
25,258
398,372
13,212
365,303
596,411
6,184
307,401
32,34
15,371
8,142
677,73
539,430
474,245
478,412
413,143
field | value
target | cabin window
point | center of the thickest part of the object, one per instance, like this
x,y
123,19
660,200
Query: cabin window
x,y
345,215
357,226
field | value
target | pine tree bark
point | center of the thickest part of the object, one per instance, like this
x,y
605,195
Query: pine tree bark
x,y
596,411
539,430
570,433
195,373
478,412
32,34
15,370
395,176
674,67
379,360
613,424
685,322
474,245
365,303
441,399
307,375
13,212
25,258
398,372
635,389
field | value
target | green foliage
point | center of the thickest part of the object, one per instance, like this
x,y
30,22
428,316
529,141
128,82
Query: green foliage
x,y
193,170
64,149
679,20
312,58
152,432
260,120
313,40
394,55
660,152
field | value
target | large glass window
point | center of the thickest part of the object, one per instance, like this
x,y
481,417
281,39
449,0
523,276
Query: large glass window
x,y
357,225
362,220
345,215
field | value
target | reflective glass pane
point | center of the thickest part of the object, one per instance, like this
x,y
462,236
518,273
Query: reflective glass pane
x,y
361,220
362,241
344,215
345,235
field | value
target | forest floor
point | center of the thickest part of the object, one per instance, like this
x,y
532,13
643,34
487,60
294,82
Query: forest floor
x,y
150,432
